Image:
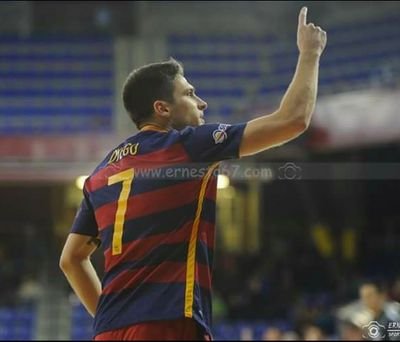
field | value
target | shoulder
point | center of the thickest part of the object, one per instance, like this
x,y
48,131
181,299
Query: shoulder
x,y
206,129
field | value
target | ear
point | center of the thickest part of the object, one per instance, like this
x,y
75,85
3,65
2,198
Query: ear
x,y
161,108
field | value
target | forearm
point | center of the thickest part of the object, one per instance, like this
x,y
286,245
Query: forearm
x,y
299,100
294,114
84,281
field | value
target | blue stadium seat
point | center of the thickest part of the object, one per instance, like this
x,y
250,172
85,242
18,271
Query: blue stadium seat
x,y
17,323
79,333
66,68
224,331
223,74
6,316
231,57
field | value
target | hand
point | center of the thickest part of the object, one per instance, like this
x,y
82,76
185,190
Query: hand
x,y
310,38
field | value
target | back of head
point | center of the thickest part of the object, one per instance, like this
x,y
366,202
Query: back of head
x,y
148,84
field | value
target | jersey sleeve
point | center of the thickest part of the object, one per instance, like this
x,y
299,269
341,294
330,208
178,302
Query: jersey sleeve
x,y
85,221
213,142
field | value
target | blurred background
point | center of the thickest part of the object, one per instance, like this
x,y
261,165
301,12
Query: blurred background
x,y
295,244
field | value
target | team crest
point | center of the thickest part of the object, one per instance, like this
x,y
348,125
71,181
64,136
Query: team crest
x,y
219,134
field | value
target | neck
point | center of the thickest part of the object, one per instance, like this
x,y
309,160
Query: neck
x,y
151,125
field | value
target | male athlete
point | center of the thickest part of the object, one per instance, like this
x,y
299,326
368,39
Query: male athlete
x,y
157,235
382,311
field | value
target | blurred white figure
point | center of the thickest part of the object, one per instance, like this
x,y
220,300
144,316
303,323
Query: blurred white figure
x,y
29,290
373,297
290,336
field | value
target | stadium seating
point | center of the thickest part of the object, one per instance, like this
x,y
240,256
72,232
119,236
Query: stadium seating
x,y
66,85
81,323
233,71
56,85
17,323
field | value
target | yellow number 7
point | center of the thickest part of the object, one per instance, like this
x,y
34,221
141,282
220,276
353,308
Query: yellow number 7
x,y
126,178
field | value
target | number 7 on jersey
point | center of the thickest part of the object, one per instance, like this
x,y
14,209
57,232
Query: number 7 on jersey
x,y
126,178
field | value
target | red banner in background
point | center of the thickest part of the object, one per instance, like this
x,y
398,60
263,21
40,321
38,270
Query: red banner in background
x,y
355,119
52,158
56,148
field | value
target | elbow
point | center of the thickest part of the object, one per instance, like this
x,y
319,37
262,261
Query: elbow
x,y
68,262
64,263
300,125
302,120
297,120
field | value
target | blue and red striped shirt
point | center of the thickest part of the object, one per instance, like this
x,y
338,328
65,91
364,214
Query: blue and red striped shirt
x,y
151,202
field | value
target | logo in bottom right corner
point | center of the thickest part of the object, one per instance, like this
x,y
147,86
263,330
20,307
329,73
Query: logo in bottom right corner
x,y
374,331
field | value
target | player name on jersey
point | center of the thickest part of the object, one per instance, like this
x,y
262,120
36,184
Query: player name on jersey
x,y
119,153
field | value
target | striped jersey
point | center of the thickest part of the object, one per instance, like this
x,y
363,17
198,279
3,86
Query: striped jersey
x,y
151,202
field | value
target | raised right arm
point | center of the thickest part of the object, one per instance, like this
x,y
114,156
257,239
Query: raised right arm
x,y
296,108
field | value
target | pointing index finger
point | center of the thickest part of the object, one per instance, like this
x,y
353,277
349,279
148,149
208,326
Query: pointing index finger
x,y
303,16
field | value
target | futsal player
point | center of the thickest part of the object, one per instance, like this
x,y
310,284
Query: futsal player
x,y
157,235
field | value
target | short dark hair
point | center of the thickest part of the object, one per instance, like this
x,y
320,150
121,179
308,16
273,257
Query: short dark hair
x,y
148,84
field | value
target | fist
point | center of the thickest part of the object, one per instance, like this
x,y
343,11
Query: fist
x,y
310,38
